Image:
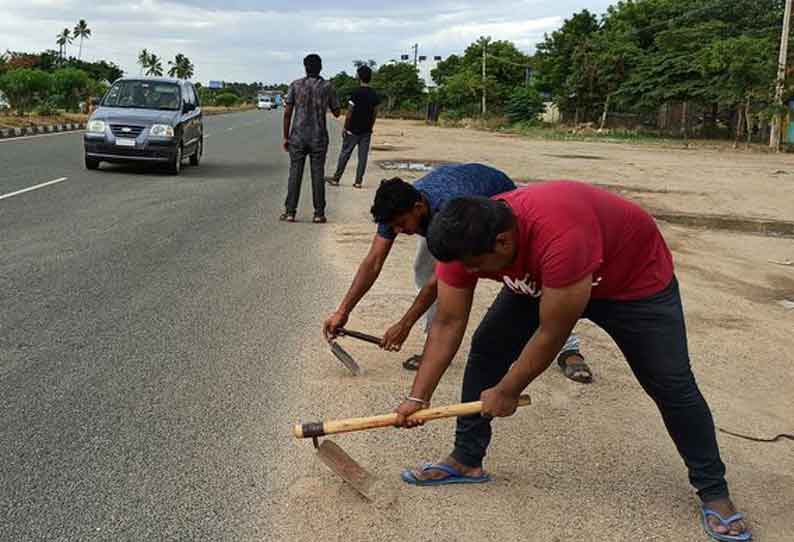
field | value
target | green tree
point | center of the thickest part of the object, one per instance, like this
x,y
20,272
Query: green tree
x,y
461,92
81,31
72,85
154,68
445,69
742,71
181,67
525,105
344,84
144,58
63,39
25,88
400,84
554,57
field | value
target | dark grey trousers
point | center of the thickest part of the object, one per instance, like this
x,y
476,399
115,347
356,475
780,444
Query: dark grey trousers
x,y
298,152
349,142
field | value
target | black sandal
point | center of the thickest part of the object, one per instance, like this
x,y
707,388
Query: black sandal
x,y
287,217
575,369
332,181
412,363
320,219
356,185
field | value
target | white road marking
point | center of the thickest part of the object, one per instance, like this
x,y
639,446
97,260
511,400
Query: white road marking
x,y
20,138
42,185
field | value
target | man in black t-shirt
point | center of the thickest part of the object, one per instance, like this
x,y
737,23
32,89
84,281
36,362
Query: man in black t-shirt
x,y
361,113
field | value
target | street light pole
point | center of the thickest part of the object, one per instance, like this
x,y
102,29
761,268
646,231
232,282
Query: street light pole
x,y
775,135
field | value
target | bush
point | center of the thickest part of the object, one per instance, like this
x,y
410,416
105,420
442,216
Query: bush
x,y
73,85
525,105
226,99
48,108
24,88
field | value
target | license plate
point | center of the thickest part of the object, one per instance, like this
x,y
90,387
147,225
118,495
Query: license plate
x,y
125,142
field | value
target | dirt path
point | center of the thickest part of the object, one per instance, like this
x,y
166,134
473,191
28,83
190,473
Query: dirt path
x,y
582,461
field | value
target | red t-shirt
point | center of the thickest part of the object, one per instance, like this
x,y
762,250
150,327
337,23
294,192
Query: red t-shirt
x,y
568,230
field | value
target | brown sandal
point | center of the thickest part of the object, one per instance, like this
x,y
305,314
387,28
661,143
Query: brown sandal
x,y
287,217
320,219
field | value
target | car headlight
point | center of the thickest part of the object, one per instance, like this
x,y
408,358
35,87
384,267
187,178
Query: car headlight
x,y
96,127
162,130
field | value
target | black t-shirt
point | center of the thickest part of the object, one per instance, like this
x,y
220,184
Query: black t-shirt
x,y
363,101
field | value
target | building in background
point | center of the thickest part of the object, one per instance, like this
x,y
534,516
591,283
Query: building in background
x,y
425,65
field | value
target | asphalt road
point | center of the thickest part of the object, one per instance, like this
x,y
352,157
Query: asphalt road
x,y
148,329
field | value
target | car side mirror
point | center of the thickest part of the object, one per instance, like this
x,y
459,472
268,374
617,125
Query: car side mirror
x,y
188,107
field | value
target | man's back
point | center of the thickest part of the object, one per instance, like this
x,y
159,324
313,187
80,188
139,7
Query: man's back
x,y
363,101
311,97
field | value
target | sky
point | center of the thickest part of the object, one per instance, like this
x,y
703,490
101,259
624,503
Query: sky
x,y
246,40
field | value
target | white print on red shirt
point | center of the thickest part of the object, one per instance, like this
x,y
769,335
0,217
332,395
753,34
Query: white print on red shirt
x,y
527,286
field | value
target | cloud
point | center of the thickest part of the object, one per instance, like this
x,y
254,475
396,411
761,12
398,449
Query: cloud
x,y
251,40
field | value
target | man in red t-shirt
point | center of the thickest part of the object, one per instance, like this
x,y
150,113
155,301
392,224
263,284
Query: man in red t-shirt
x,y
564,250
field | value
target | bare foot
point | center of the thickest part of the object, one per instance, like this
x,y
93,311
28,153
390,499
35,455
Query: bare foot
x,y
725,508
434,474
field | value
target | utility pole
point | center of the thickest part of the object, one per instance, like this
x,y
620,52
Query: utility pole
x,y
416,52
774,138
484,42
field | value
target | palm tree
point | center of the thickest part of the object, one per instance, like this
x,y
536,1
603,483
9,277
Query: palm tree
x,y
81,31
64,38
181,67
155,66
144,59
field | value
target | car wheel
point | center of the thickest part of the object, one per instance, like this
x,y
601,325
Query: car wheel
x,y
91,163
176,164
196,157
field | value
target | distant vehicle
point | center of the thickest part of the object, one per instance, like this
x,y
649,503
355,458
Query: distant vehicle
x,y
265,103
146,120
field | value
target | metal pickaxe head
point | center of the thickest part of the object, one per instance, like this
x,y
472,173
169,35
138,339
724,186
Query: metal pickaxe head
x,y
346,359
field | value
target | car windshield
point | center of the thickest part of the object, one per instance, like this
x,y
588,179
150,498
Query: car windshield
x,y
143,95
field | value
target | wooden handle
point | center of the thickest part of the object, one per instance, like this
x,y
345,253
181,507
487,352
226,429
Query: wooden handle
x,y
330,427
360,336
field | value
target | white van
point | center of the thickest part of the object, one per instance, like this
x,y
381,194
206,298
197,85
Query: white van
x,y
265,102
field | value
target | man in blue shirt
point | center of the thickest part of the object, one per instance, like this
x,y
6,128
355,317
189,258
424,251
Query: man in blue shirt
x,y
400,207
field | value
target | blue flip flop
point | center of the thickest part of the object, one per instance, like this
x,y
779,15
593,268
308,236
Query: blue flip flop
x,y
708,512
455,476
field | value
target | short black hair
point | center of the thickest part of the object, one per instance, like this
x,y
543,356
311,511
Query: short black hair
x,y
393,198
313,64
467,227
364,73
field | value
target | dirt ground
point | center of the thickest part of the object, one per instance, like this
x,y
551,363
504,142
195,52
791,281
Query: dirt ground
x,y
583,461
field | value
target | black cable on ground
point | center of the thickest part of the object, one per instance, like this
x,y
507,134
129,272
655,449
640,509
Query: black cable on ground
x,y
756,439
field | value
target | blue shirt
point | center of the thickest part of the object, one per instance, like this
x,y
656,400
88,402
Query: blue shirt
x,y
454,181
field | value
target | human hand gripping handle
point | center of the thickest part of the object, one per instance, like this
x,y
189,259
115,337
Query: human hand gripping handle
x,y
333,324
395,336
497,403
